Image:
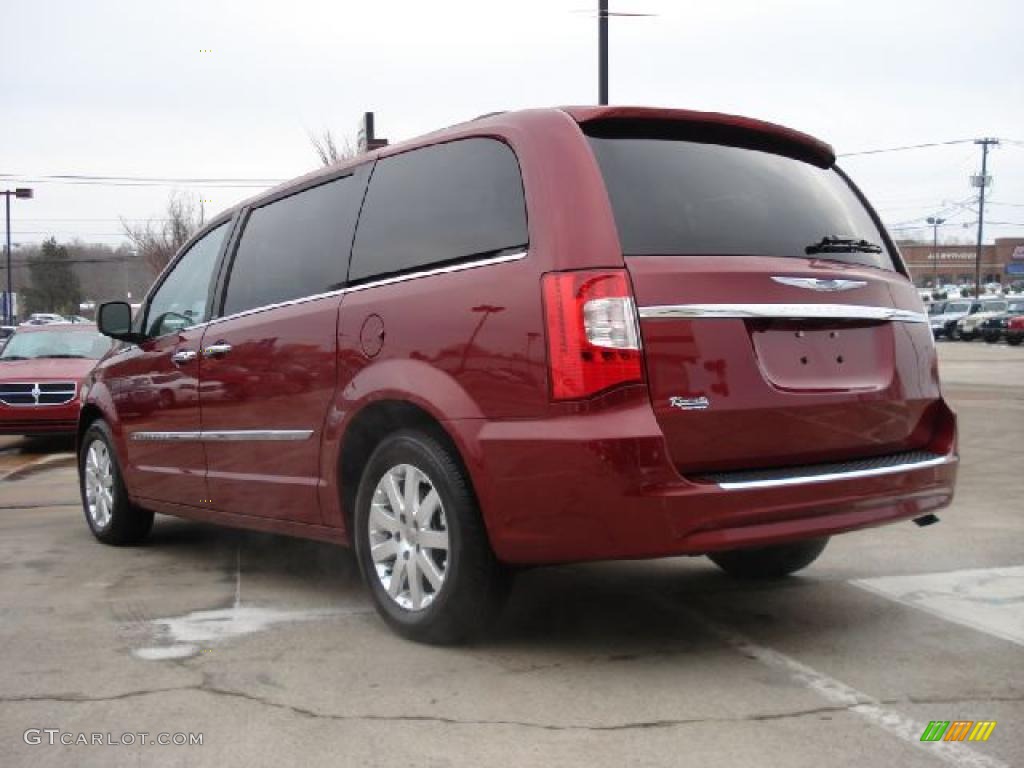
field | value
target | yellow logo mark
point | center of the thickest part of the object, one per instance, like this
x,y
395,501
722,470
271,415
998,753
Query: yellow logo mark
x,y
982,730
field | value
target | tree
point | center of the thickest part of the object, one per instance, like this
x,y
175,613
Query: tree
x,y
327,148
55,286
158,240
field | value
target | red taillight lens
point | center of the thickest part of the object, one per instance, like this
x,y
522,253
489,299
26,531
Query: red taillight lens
x,y
593,332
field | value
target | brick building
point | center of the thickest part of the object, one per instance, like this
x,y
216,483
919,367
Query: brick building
x,y
1001,262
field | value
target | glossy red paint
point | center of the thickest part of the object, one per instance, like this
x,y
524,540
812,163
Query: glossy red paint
x,y
611,476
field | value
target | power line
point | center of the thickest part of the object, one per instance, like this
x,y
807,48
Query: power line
x,y
901,149
162,179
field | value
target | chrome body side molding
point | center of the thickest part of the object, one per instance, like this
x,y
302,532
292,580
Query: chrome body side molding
x,y
213,436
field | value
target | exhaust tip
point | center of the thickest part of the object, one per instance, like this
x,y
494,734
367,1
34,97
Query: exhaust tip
x,y
926,520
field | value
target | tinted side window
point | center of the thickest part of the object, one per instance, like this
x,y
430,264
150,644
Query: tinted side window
x,y
438,204
182,299
297,246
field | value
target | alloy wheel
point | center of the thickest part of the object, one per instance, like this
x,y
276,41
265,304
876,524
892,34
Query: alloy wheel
x,y
99,484
408,537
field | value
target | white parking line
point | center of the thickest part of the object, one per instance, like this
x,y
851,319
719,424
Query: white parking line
x,y
986,599
858,702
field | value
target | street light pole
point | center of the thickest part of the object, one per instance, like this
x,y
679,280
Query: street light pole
x,y
935,221
602,52
25,194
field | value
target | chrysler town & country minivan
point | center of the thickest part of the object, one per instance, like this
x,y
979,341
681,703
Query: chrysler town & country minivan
x,y
538,337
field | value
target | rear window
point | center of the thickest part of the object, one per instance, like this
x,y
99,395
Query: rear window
x,y
673,197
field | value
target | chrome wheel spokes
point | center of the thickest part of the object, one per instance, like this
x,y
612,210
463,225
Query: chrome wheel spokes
x,y
99,484
408,537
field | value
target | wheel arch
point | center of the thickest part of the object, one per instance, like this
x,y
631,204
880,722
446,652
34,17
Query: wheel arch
x,y
369,426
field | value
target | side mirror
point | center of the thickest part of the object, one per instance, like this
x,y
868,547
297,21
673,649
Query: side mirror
x,y
114,319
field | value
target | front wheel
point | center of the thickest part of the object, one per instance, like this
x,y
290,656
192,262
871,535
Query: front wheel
x,y
421,543
769,562
111,516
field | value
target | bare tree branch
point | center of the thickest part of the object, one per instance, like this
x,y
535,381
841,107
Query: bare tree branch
x,y
327,149
158,241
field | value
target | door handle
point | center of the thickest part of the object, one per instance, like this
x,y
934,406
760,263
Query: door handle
x,y
217,350
183,356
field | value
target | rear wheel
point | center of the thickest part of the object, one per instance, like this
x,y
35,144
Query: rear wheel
x,y
1014,340
769,562
421,543
991,338
112,518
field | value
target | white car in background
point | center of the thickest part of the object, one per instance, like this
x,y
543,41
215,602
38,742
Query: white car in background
x,y
969,328
44,318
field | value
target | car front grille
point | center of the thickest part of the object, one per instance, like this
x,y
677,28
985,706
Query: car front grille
x,y
38,393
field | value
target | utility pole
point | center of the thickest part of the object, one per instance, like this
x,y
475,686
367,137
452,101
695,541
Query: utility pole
x,y
935,221
985,144
602,52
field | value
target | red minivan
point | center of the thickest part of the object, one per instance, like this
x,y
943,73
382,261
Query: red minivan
x,y
538,337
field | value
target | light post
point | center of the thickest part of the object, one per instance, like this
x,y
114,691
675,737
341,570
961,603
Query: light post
x,y
935,221
23,193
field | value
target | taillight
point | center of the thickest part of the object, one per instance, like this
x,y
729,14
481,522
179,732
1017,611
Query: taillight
x,y
593,332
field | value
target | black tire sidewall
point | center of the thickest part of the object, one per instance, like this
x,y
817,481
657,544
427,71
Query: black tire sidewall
x,y
433,622
127,523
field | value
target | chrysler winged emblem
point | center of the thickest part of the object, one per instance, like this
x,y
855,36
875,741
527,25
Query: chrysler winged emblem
x,y
817,284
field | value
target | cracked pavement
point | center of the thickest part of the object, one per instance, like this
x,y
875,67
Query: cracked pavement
x,y
633,663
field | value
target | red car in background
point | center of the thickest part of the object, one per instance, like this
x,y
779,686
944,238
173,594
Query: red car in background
x,y
41,370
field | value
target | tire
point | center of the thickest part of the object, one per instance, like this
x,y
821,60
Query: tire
x,y
954,334
769,562
111,516
1014,341
472,582
991,338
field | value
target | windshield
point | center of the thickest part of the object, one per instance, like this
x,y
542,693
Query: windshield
x,y
28,346
673,197
995,306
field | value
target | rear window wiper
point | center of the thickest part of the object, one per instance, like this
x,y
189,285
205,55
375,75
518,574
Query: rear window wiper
x,y
834,244
63,357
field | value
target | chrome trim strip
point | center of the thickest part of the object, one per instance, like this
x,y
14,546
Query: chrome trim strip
x,y
158,436
852,475
439,271
255,434
211,436
783,311
373,284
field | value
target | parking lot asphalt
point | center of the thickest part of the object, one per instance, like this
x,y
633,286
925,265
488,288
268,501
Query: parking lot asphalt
x,y
269,648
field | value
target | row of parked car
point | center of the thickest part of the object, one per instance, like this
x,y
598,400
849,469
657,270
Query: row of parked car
x,y
991,319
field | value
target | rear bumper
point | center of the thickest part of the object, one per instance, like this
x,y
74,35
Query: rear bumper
x,y
600,486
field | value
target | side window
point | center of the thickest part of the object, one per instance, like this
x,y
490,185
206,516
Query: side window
x,y
296,246
182,299
437,204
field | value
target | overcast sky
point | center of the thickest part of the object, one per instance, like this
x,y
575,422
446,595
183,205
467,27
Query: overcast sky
x,y
127,89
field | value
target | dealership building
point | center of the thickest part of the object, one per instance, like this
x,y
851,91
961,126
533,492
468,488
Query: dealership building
x,y
1001,262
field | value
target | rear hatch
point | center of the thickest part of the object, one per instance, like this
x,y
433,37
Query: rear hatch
x,y
776,327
